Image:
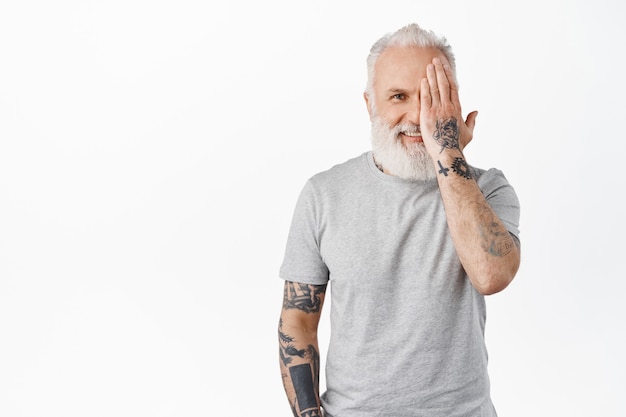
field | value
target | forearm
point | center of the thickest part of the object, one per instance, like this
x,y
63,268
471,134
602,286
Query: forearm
x,y
300,368
487,251
298,347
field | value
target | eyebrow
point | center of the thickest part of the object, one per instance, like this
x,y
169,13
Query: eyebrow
x,y
396,90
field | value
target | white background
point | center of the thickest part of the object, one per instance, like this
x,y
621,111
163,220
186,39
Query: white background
x,y
151,153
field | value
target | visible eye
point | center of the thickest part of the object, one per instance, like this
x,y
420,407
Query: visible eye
x,y
399,96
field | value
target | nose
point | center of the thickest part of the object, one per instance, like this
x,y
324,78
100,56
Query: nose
x,y
412,114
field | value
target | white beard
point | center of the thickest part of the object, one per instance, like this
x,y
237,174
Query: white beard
x,y
409,163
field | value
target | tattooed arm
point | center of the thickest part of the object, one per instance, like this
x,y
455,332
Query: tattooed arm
x,y
298,347
488,252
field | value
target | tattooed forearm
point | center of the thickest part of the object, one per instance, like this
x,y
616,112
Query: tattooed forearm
x,y
297,336
305,380
303,383
305,297
446,133
442,169
302,376
460,167
495,239
287,349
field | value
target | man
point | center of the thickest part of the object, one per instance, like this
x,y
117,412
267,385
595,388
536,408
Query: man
x,y
412,237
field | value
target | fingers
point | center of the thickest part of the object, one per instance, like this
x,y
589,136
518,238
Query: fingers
x,y
442,81
439,88
433,86
425,97
441,84
454,87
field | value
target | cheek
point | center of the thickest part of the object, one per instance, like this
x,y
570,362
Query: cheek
x,y
391,115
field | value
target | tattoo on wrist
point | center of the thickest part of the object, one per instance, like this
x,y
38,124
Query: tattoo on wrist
x,y
443,170
460,167
303,383
311,413
446,133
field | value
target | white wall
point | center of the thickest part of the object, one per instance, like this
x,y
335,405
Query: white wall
x,y
151,153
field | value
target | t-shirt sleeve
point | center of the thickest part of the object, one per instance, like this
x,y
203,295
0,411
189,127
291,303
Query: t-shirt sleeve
x,y
502,198
303,261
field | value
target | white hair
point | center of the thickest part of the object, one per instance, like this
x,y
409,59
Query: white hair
x,y
409,35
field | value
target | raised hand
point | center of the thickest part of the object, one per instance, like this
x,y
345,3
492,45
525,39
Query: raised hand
x,y
441,120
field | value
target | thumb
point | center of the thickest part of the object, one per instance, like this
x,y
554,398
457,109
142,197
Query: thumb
x,y
470,122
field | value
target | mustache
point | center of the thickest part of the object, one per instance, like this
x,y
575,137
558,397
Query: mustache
x,y
409,127
405,127
378,122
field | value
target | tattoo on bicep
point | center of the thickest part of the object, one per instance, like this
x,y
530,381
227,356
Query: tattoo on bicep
x,y
305,297
446,133
495,239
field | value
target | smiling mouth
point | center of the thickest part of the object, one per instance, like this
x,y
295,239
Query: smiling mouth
x,y
412,135
410,130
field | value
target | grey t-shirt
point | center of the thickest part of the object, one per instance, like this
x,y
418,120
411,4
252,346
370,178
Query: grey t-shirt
x,y
407,326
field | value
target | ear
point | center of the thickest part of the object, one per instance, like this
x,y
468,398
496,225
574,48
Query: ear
x,y
368,104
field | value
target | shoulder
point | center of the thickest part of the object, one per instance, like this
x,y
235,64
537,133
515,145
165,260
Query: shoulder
x,y
342,169
329,185
339,175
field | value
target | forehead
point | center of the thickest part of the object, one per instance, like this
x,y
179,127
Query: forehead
x,y
404,64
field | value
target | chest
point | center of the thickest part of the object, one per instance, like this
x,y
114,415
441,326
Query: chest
x,y
392,236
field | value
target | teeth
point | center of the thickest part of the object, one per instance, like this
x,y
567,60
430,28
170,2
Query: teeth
x,y
412,134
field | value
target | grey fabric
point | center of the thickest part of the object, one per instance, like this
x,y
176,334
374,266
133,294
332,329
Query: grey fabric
x,y
407,326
